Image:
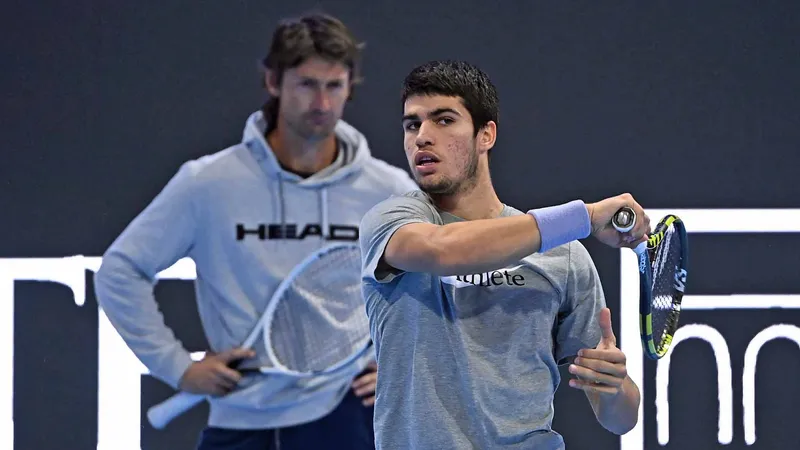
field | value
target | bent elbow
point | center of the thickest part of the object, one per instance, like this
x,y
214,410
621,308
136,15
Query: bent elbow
x,y
622,429
115,277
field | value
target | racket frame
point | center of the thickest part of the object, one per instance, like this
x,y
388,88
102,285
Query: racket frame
x,y
656,350
161,414
279,368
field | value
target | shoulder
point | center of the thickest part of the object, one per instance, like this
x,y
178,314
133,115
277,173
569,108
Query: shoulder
x,y
570,257
582,273
414,199
579,256
414,203
227,164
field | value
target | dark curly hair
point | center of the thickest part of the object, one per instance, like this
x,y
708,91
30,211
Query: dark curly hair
x,y
456,79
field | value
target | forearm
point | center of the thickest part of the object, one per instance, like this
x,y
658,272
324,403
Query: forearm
x,y
479,246
619,414
474,246
483,245
127,299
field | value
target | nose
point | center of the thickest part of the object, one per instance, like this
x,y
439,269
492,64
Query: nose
x,y
424,136
322,101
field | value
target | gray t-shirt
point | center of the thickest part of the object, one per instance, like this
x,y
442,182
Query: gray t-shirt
x,y
471,362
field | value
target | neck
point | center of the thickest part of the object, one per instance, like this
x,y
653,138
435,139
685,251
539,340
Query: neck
x,y
299,155
473,202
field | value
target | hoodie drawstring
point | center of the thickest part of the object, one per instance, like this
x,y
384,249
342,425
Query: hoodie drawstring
x,y
281,204
323,209
323,212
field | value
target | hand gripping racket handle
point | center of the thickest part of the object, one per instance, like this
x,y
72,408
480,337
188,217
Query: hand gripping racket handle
x,y
163,413
623,221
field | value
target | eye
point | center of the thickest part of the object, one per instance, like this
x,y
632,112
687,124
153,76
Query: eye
x,y
308,83
445,121
411,126
335,85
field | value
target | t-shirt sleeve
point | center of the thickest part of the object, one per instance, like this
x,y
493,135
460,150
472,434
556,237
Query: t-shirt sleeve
x,y
377,228
577,326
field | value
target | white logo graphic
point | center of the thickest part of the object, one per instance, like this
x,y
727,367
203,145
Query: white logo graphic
x,y
706,221
119,371
498,277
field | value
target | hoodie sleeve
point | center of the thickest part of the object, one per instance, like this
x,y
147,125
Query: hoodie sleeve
x,y
404,183
158,237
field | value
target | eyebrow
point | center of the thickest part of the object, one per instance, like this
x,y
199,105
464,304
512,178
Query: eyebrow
x,y
320,80
435,112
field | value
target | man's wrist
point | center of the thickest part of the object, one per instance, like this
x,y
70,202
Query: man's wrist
x,y
562,224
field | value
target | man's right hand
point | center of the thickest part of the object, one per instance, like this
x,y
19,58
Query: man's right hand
x,y
602,229
211,375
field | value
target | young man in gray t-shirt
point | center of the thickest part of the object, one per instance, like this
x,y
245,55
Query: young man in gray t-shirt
x,y
474,304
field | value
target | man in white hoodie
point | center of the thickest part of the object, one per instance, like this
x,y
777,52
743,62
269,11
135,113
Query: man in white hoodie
x,y
246,215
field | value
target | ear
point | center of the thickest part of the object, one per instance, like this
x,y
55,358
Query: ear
x,y
271,83
487,136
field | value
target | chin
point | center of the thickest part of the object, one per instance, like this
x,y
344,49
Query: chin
x,y
319,134
315,132
440,187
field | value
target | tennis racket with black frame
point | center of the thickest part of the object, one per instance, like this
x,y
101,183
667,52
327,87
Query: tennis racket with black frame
x,y
663,268
315,324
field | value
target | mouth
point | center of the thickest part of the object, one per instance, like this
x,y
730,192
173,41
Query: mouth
x,y
318,118
423,159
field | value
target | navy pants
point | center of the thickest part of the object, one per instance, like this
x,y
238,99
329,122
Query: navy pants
x,y
348,427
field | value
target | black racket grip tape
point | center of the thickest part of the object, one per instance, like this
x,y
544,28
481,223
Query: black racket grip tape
x,y
239,366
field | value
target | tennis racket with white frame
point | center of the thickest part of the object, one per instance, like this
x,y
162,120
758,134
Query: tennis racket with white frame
x,y
315,324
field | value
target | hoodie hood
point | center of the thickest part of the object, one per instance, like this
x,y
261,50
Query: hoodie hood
x,y
353,153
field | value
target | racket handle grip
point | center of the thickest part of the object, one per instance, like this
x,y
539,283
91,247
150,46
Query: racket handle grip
x,y
163,413
624,220
641,248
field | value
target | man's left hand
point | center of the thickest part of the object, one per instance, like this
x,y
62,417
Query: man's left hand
x,y
364,386
600,370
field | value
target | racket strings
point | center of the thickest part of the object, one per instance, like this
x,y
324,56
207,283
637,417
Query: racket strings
x,y
320,320
664,267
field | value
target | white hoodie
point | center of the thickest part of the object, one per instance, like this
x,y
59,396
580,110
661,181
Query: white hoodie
x,y
223,211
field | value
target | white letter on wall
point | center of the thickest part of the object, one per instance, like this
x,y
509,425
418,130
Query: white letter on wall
x,y
790,332
67,271
724,381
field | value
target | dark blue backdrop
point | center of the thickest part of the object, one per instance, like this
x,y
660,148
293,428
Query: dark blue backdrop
x,y
103,101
